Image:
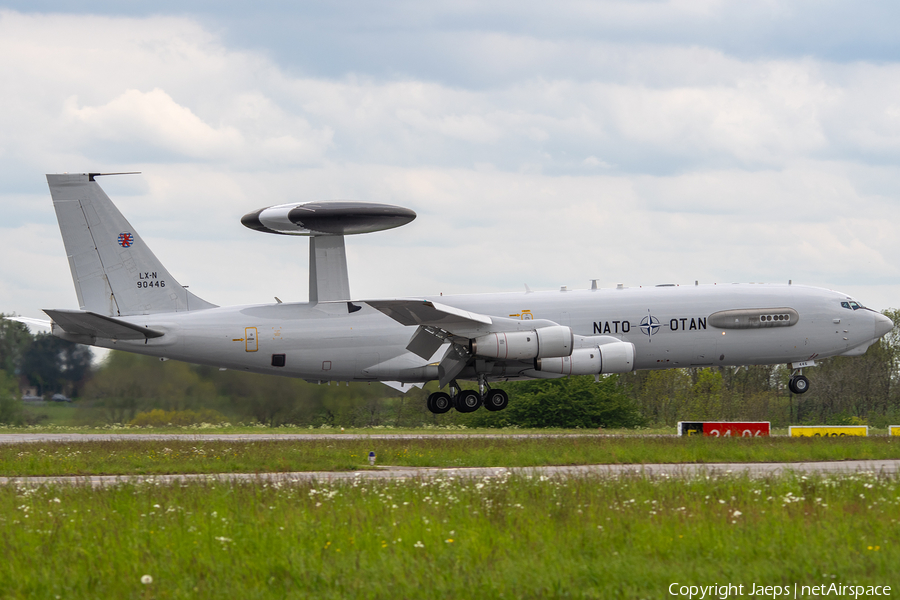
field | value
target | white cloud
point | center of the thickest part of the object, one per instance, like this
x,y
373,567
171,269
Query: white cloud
x,y
155,119
654,163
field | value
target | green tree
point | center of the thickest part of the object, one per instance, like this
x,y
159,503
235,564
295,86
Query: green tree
x,y
707,394
567,402
269,399
56,365
663,394
14,340
11,411
129,383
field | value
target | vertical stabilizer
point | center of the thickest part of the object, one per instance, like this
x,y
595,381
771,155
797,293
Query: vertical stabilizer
x,y
328,279
115,273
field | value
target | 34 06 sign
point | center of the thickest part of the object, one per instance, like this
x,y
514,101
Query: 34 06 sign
x,y
724,429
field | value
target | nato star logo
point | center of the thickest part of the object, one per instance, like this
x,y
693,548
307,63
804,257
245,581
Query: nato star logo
x,y
649,324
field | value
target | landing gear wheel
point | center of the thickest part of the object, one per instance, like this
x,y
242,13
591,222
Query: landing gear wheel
x,y
439,403
798,384
496,400
468,401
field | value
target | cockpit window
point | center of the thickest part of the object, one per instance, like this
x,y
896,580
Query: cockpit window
x,y
845,304
855,305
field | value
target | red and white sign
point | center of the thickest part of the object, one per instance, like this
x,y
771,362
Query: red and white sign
x,y
724,429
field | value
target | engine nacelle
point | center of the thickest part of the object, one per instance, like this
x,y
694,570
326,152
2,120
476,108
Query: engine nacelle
x,y
584,361
553,341
617,357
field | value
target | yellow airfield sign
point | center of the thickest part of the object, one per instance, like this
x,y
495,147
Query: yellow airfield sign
x,y
828,430
894,430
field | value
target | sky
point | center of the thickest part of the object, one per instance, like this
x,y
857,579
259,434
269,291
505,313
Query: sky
x,y
546,144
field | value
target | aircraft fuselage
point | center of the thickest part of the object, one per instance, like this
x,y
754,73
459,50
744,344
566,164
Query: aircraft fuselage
x,y
669,326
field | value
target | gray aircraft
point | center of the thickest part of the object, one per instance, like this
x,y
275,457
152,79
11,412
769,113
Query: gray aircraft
x,y
129,301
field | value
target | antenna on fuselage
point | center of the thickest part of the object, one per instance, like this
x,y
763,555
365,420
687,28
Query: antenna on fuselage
x,y
326,224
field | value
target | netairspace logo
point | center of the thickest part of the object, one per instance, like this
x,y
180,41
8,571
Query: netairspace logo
x,y
730,590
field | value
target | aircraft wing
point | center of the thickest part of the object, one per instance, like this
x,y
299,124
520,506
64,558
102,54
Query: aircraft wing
x,y
80,322
450,321
439,323
434,314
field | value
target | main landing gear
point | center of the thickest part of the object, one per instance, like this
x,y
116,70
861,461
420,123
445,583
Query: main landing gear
x,y
466,401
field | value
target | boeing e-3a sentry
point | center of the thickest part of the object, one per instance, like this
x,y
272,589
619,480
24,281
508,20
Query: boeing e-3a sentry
x,y
129,301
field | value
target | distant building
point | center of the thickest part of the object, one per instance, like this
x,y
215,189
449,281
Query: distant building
x,y
30,394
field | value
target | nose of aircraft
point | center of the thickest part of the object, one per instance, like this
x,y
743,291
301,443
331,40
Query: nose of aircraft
x,y
883,325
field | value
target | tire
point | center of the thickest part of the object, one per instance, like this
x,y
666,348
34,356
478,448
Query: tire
x,y
468,401
799,384
439,403
496,400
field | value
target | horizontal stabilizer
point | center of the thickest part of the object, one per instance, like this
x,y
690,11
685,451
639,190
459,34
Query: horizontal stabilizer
x,y
79,322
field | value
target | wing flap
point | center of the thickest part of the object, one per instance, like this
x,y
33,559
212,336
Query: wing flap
x,y
79,322
425,342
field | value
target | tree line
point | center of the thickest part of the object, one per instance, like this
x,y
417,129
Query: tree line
x,y
127,387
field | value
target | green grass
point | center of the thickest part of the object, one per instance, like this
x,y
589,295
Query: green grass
x,y
72,426
64,418
512,537
130,456
55,414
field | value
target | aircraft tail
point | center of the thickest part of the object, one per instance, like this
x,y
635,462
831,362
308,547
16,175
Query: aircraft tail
x,y
115,273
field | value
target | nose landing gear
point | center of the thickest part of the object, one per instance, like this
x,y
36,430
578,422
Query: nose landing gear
x,y
798,384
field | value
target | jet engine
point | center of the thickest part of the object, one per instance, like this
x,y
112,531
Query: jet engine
x,y
553,341
617,357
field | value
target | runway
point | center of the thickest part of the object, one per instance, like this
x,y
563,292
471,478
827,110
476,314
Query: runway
x,y
755,470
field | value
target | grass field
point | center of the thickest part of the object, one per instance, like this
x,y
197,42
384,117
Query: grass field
x,y
65,421
70,426
511,537
514,536
124,456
